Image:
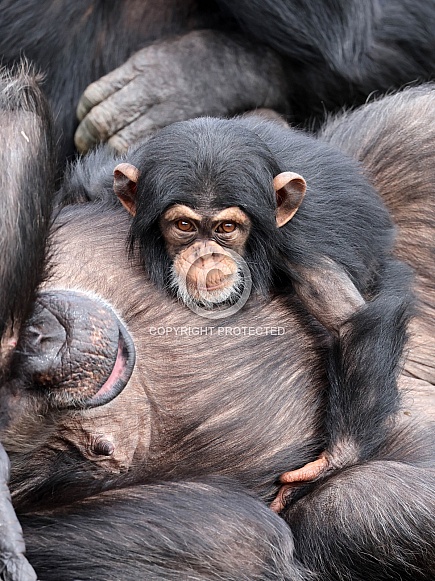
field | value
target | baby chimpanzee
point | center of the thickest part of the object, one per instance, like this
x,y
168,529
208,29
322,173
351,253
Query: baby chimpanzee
x,y
220,203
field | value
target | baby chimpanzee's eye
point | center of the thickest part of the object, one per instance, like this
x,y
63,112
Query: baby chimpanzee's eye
x,y
226,227
185,226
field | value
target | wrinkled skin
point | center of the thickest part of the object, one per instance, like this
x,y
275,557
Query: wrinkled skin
x,y
14,564
212,70
175,80
333,54
73,345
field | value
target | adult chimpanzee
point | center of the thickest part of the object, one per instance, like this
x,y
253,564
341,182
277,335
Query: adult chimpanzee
x,y
27,158
202,417
75,43
333,53
326,54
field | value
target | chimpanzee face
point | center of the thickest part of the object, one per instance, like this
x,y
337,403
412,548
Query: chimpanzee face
x,y
208,247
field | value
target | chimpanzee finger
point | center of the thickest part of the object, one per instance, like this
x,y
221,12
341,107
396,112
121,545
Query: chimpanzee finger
x,y
101,89
147,124
14,566
18,569
118,98
116,112
140,129
196,74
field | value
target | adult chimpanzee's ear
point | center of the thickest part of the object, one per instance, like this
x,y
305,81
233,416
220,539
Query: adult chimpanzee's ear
x,y
290,190
125,177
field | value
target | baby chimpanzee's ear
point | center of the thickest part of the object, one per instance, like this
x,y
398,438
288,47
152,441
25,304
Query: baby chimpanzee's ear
x,y
290,190
125,177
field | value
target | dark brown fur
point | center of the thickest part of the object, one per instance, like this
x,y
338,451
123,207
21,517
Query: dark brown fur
x,y
228,403
378,140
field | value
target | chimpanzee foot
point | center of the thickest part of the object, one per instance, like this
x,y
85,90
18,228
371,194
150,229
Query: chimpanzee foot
x,y
291,479
13,564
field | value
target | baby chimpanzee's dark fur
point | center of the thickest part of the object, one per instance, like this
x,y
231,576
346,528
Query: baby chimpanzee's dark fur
x,y
333,248
215,163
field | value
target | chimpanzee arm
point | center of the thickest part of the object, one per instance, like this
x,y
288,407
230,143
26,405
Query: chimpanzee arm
x,y
339,52
365,363
372,45
26,186
202,73
311,31
363,367
205,530
368,340
327,293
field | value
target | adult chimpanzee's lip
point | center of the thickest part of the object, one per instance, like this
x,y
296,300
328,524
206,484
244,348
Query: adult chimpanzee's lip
x,y
76,350
120,374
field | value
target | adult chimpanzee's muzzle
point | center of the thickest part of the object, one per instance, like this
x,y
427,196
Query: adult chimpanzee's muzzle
x,y
76,349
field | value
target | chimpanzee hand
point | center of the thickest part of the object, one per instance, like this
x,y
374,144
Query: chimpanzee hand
x,y
13,564
201,73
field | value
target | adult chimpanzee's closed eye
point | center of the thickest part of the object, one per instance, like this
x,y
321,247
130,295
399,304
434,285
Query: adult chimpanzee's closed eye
x,y
210,195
